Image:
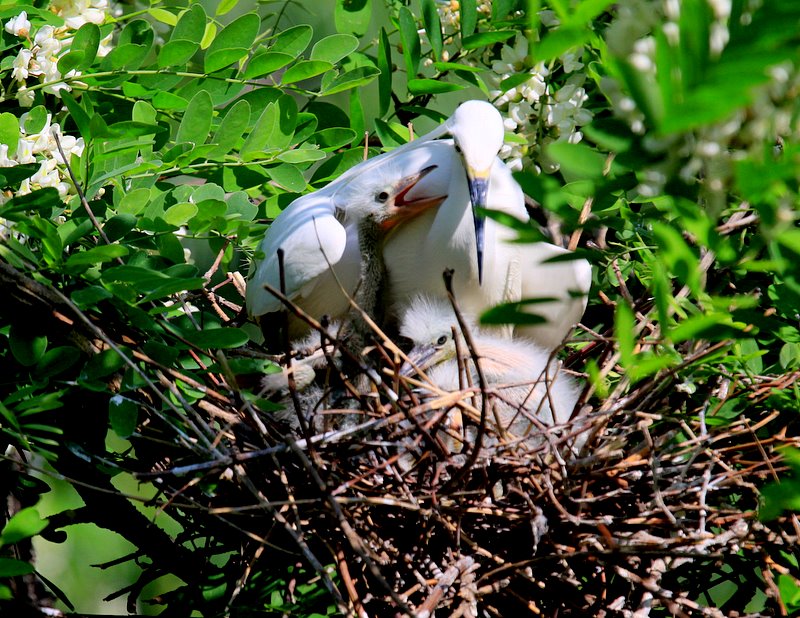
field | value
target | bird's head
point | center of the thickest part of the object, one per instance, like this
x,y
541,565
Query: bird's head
x,y
429,323
478,134
392,194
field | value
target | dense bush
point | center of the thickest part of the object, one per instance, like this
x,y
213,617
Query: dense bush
x,y
144,150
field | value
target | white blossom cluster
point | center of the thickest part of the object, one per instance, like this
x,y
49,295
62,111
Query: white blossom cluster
x,y
41,51
538,111
41,148
450,15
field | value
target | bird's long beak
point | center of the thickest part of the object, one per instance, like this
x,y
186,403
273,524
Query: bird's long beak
x,y
478,190
421,358
406,207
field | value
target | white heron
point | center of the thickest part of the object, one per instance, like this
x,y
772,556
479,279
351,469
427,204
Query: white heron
x,y
321,247
527,387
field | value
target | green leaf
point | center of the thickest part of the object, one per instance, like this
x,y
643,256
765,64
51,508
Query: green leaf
x,y
9,132
10,567
332,138
433,27
123,414
177,52
26,346
57,360
180,214
25,524
191,24
410,39
391,135
36,120
587,10
134,202
231,129
216,338
196,123
385,77
305,69
225,6
266,62
89,297
352,79
679,257
514,313
78,114
103,364
431,86
117,226
579,160
12,176
558,41
168,101
353,16
164,16
301,155
287,177
293,41
97,255
86,41
485,39
232,43
624,329
334,47
274,128
469,17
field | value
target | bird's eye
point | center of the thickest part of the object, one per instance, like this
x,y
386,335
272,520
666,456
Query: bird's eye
x,y
382,196
441,340
458,148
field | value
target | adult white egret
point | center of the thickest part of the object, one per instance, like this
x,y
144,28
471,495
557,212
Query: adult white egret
x,y
527,388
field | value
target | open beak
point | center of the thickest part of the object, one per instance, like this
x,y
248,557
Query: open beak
x,y
406,207
478,190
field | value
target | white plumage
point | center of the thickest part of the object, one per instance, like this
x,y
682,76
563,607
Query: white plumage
x,y
527,387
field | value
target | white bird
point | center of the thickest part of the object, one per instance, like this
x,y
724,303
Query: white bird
x,y
320,241
527,388
319,232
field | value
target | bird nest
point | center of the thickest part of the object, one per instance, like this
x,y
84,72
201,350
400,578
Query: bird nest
x,y
366,503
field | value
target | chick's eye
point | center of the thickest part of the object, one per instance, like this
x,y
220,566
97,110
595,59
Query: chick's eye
x,y
382,196
441,340
458,148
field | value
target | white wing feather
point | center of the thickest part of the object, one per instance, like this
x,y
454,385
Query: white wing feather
x,y
311,239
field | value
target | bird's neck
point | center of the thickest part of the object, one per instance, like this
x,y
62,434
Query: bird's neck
x,y
373,269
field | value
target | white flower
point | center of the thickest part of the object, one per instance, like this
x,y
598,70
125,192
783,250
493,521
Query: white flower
x,y
549,18
47,175
47,42
566,111
572,61
21,65
19,25
4,160
78,12
25,151
105,46
25,97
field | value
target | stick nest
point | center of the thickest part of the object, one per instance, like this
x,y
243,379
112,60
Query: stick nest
x,y
655,515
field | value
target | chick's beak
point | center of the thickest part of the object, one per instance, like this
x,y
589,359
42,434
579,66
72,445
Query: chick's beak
x,y
420,358
407,207
478,183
